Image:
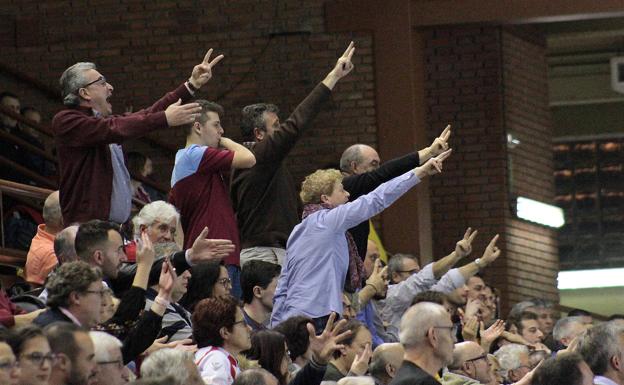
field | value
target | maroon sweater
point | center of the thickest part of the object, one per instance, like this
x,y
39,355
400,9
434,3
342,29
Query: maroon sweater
x,y
86,171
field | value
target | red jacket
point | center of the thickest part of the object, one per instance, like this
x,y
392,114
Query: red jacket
x,y
86,171
8,310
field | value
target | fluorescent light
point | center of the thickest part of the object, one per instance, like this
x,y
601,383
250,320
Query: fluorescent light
x,y
538,212
586,279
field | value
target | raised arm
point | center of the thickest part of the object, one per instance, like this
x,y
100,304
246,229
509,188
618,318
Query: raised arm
x,y
462,249
341,69
243,158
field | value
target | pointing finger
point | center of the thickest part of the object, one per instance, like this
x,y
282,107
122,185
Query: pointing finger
x,y
351,54
207,57
346,52
446,134
216,60
493,241
473,236
467,233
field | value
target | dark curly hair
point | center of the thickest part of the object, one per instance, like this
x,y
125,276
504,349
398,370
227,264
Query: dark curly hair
x,y
253,117
210,315
203,278
267,347
297,336
70,277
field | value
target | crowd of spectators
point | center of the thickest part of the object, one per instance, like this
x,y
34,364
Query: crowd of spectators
x,y
250,282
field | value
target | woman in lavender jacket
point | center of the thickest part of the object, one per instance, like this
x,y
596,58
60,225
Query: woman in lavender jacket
x,y
320,251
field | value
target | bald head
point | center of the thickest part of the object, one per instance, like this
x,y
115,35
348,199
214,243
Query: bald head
x,y
52,213
465,351
64,245
386,361
359,159
418,320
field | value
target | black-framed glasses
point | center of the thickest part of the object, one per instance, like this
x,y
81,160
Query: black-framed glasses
x,y
100,79
118,363
225,282
481,357
38,358
9,365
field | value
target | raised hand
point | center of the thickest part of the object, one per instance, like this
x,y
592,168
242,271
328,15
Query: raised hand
x,y
203,71
178,114
206,250
440,144
323,346
145,250
470,328
378,277
473,308
491,251
490,334
464,247
432,166
166,280
360,363
342,68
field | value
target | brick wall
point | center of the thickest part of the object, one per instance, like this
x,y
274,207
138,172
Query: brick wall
x,y
276,51
532,252
485,80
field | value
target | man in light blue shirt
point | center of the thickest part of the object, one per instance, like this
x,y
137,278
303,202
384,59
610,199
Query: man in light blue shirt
x,y
318,250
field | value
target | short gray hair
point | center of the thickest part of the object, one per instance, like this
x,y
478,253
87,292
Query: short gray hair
x,y
152,212
167,362
104,343
563,327
254,376
509,356
599,344
71,80
395,264
351,154
52,211
417,320
64,244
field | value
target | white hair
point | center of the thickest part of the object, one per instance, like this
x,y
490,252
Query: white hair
x,y
72,80
104,344
359,380
167,362
563,327
509,356
152,212
417,320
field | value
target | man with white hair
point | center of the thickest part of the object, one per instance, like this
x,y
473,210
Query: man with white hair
x,y
567,329
514,361
109,360
426,334
470,366
176,363
255,376
602,348
40,260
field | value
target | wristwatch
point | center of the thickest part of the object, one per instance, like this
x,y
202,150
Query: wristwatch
x,y
478,263
191,86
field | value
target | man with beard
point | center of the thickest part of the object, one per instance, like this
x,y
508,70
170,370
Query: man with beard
x,y
75,363
426,333
258,282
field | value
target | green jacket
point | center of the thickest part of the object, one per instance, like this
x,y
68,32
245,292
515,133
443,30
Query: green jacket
x,y
456,379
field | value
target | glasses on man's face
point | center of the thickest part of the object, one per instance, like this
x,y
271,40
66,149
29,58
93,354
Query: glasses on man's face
x,y
8,365
410,272
99,81
38,359
118,363
481,357
226,282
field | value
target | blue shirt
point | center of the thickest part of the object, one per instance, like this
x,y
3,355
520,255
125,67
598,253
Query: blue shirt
x,y
317,254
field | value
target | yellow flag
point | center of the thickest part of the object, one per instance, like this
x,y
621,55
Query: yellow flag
x,y
372,236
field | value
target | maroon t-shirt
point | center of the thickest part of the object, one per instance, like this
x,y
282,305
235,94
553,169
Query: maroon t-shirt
x,y
199,192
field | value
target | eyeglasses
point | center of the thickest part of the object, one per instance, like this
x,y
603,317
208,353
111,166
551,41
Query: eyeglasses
x,y
101,79
7,365
225,282
102,292
409,271
38,359
118,363
481,357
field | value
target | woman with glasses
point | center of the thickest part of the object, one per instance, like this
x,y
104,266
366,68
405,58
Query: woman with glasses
x,y
32,350
208,280
220,331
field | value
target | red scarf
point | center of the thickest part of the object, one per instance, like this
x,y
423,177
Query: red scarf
x,y
355,274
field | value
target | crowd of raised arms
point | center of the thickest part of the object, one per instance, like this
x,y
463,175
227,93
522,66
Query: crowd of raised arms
x,y
254,281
